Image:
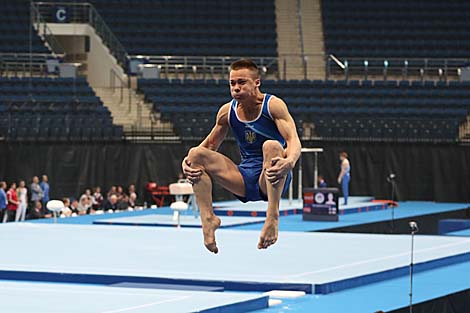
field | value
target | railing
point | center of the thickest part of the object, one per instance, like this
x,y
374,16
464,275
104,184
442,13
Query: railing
x,y
112,78
204,67
405,68
40,25
25,64
305,67
301,34
82,13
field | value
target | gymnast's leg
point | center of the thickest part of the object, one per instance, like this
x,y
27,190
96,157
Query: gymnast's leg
x,y
212,165
345,185
271,149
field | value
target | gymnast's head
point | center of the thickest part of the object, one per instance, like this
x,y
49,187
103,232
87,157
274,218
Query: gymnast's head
x,y
244,79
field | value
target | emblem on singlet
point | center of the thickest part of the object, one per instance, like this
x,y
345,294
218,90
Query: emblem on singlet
x,y
250,136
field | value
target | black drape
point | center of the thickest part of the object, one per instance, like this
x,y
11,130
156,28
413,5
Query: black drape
x,y
439,172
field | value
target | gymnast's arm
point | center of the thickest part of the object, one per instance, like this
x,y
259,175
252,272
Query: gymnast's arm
x,y
286,126
219,131
212,141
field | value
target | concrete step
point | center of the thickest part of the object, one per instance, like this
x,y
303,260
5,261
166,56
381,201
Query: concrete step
x,y
122,112
312,31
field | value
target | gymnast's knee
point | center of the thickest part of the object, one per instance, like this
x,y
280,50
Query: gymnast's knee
x,y
273,147
198,155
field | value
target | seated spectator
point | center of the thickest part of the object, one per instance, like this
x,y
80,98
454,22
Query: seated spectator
x,y
85,203
74,207
123,204
131,190
321,182
119,192
132,200
112,191
66,211
36,211
97,198
111,203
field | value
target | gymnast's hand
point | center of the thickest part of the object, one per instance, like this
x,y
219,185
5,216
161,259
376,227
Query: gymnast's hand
x,y
193,175
279,169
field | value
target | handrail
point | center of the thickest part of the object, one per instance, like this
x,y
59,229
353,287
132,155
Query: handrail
x,y
112,79
337,61
204,65
301,36
86,13
109,39
41,25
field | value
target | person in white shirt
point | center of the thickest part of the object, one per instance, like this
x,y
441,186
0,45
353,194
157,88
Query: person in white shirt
x,y
22,193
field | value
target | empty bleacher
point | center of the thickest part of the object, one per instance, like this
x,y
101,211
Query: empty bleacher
x,y
15,29
193,28
53,109
380,110
403,29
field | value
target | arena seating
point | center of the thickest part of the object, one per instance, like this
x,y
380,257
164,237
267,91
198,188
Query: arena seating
x,y
193,28
387,110
404,29
14,29
53,109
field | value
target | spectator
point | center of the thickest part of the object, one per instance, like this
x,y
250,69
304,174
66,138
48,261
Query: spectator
x,y
321,182
123,204
85,203
3,199
97,198
66,211
119,192
37,211
12,204
111,203
36,191
45,190
131,190
112,191
74,207
132,200
22,193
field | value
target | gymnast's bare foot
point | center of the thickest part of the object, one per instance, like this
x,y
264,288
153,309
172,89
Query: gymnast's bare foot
x,y
269,233
209,226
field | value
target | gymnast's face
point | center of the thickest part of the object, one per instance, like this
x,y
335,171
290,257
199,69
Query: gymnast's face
x,y
244,83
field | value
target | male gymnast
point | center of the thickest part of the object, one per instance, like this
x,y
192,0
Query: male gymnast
x,y
269,148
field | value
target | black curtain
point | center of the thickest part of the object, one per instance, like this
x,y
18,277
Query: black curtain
x,y
439,172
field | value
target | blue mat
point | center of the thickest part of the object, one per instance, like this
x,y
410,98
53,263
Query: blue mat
x,y
168,221
387,295
463,233
450,225
258,208
318,262
404,210
27,297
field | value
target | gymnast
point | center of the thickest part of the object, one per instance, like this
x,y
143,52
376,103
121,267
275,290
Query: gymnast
x,y
269,148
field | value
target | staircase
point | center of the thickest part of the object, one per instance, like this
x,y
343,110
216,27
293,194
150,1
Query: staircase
x,y
312,30
464,130
288,40
127,109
